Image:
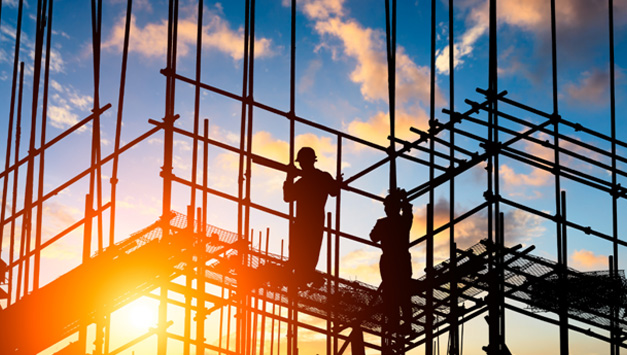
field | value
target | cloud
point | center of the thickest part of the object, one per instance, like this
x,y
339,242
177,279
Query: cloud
x,y
536,178
377,128
366,46
586,260
64,101
62,117
479,24
520,227
323,9
11,3
151,40
307,80
581,27
592,88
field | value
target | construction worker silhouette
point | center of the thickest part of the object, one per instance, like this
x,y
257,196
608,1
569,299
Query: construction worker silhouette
x,y
310,193
392,232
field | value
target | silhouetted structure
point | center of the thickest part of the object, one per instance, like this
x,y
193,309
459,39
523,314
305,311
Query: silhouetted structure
x,y
310,193
223,278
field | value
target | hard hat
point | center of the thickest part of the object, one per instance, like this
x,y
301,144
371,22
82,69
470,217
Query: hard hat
x,y
306,154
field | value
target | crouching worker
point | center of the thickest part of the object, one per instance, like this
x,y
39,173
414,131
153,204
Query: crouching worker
x,y
392,232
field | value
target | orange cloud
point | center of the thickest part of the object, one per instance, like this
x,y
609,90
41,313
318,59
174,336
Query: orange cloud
x,y
586,260
377,128
151,40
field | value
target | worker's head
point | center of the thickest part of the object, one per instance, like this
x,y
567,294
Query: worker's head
x,y
306,157
393,202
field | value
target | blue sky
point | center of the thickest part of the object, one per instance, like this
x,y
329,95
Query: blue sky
x,y
341,82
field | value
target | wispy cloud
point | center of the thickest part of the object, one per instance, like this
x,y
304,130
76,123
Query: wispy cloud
x,y
477,26
65,100
151,39
307,80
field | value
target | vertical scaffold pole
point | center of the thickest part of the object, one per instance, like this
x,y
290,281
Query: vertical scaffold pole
x,y
18,133
495,312
40,184
30,170
18,35
615,348
563,316
241,228
292,311
118,122
336,248
430,206
166,172
391,61
453,314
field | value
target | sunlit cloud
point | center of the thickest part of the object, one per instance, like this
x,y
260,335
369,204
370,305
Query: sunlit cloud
x,y
151,39
377,128
323,9
587,260
366,46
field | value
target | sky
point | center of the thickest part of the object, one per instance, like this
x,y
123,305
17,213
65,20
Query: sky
x,y
340,82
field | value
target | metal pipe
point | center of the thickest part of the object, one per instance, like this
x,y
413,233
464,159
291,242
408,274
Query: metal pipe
x,y
118,122
18,133
18,36
40,184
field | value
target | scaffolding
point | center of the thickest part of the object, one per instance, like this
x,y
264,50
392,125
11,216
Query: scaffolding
x,y
232,280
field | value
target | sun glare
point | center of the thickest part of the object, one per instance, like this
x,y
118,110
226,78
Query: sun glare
x,y
141,315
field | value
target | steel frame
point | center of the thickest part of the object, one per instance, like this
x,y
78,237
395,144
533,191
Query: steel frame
x,y
249,309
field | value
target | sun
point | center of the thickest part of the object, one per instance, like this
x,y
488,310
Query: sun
x,y
142,315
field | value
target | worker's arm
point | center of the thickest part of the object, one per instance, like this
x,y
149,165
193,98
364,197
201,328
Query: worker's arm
x,y
334,185
289,192
406,209
377,232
